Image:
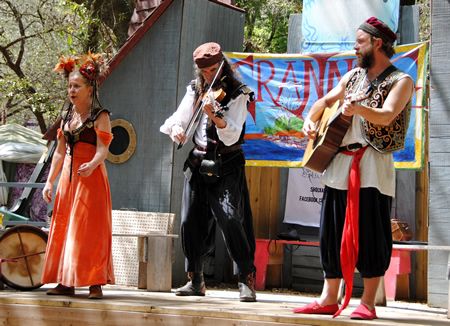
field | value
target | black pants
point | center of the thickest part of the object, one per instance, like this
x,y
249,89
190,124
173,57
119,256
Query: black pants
x,y
226,202
375,236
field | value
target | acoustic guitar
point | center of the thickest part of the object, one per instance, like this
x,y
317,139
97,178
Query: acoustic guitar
x,y
330,131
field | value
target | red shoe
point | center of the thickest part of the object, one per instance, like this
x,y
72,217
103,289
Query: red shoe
x,y
362,312
317,309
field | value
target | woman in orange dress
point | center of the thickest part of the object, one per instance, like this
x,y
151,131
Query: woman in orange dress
x,y
79,244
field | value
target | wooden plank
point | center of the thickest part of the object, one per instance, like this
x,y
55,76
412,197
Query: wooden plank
x,y
305,261
438,117
308,273
441,145
305,251
439,175
121,306
274,202
253,180
438,200
159,264
439,234
274,276
439,158
265,184
402,290
439,272
405,194
440,130
51,316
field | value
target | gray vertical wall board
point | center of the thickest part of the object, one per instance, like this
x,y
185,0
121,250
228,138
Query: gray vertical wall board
x,y
438,158
409,24
439,234
440,131
441,257
439,76
441,215
405,193
439,199
439,300
439,116
438,154
439,143
294,44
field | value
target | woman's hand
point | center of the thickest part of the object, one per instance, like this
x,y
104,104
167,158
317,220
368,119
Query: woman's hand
x,y
85,169
47,192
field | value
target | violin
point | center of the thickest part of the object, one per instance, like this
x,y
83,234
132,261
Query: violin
x,y
200,104
216,96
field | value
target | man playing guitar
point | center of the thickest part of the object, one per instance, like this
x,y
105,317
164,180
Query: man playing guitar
x,y
355,229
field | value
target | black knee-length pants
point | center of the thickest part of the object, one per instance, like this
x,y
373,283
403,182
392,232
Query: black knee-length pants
x,y
375,235
226,202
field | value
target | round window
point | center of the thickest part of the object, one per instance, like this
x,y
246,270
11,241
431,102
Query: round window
x,y
123,144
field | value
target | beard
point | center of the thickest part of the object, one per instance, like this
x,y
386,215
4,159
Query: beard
x,y
366,60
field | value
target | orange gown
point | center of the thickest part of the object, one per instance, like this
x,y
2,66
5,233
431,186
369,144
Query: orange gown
x,y
79,244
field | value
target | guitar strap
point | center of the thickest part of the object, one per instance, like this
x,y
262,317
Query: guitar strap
x,y
381,77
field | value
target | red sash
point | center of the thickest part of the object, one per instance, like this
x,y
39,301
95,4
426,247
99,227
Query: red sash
x,y
350,234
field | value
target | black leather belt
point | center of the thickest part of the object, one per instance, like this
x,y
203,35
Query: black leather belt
x,y
221,150
229,149
200,148
350,147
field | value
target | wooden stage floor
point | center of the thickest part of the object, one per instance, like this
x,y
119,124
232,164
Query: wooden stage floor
x,y
128,306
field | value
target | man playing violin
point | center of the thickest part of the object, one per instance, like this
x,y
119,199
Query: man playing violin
x,y
215,187
355,229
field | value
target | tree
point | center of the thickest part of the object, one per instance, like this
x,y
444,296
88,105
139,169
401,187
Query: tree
x,y
266,23
33,34
107,24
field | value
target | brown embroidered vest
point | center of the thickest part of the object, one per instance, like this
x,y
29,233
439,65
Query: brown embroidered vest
x,y
384,139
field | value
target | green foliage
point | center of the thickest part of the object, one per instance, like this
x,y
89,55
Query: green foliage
x,y
285,124
33,36
266,23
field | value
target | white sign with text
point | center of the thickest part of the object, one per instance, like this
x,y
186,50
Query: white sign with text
x,y
304,197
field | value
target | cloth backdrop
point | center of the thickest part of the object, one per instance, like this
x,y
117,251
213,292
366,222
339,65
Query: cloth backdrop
x,y
342,18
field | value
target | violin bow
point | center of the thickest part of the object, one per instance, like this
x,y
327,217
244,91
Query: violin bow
x,y
196,115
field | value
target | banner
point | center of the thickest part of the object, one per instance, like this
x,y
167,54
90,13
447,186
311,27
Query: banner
x,y
286,86
342,18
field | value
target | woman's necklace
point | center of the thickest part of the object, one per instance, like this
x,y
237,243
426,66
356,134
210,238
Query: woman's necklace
x,y
78,119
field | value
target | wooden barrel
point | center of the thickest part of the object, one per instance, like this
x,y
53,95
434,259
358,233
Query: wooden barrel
x,y
22,251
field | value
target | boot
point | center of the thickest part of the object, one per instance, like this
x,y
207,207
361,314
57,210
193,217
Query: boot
x,y
195,286
95,292
61,290
247,288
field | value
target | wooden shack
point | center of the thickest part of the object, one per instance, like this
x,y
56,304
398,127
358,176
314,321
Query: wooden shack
x,y
146,81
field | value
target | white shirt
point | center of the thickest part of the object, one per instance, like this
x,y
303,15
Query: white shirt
x,y
235,118
376,169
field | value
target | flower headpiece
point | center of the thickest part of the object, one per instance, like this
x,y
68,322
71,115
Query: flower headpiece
x,y
66,65
91,65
